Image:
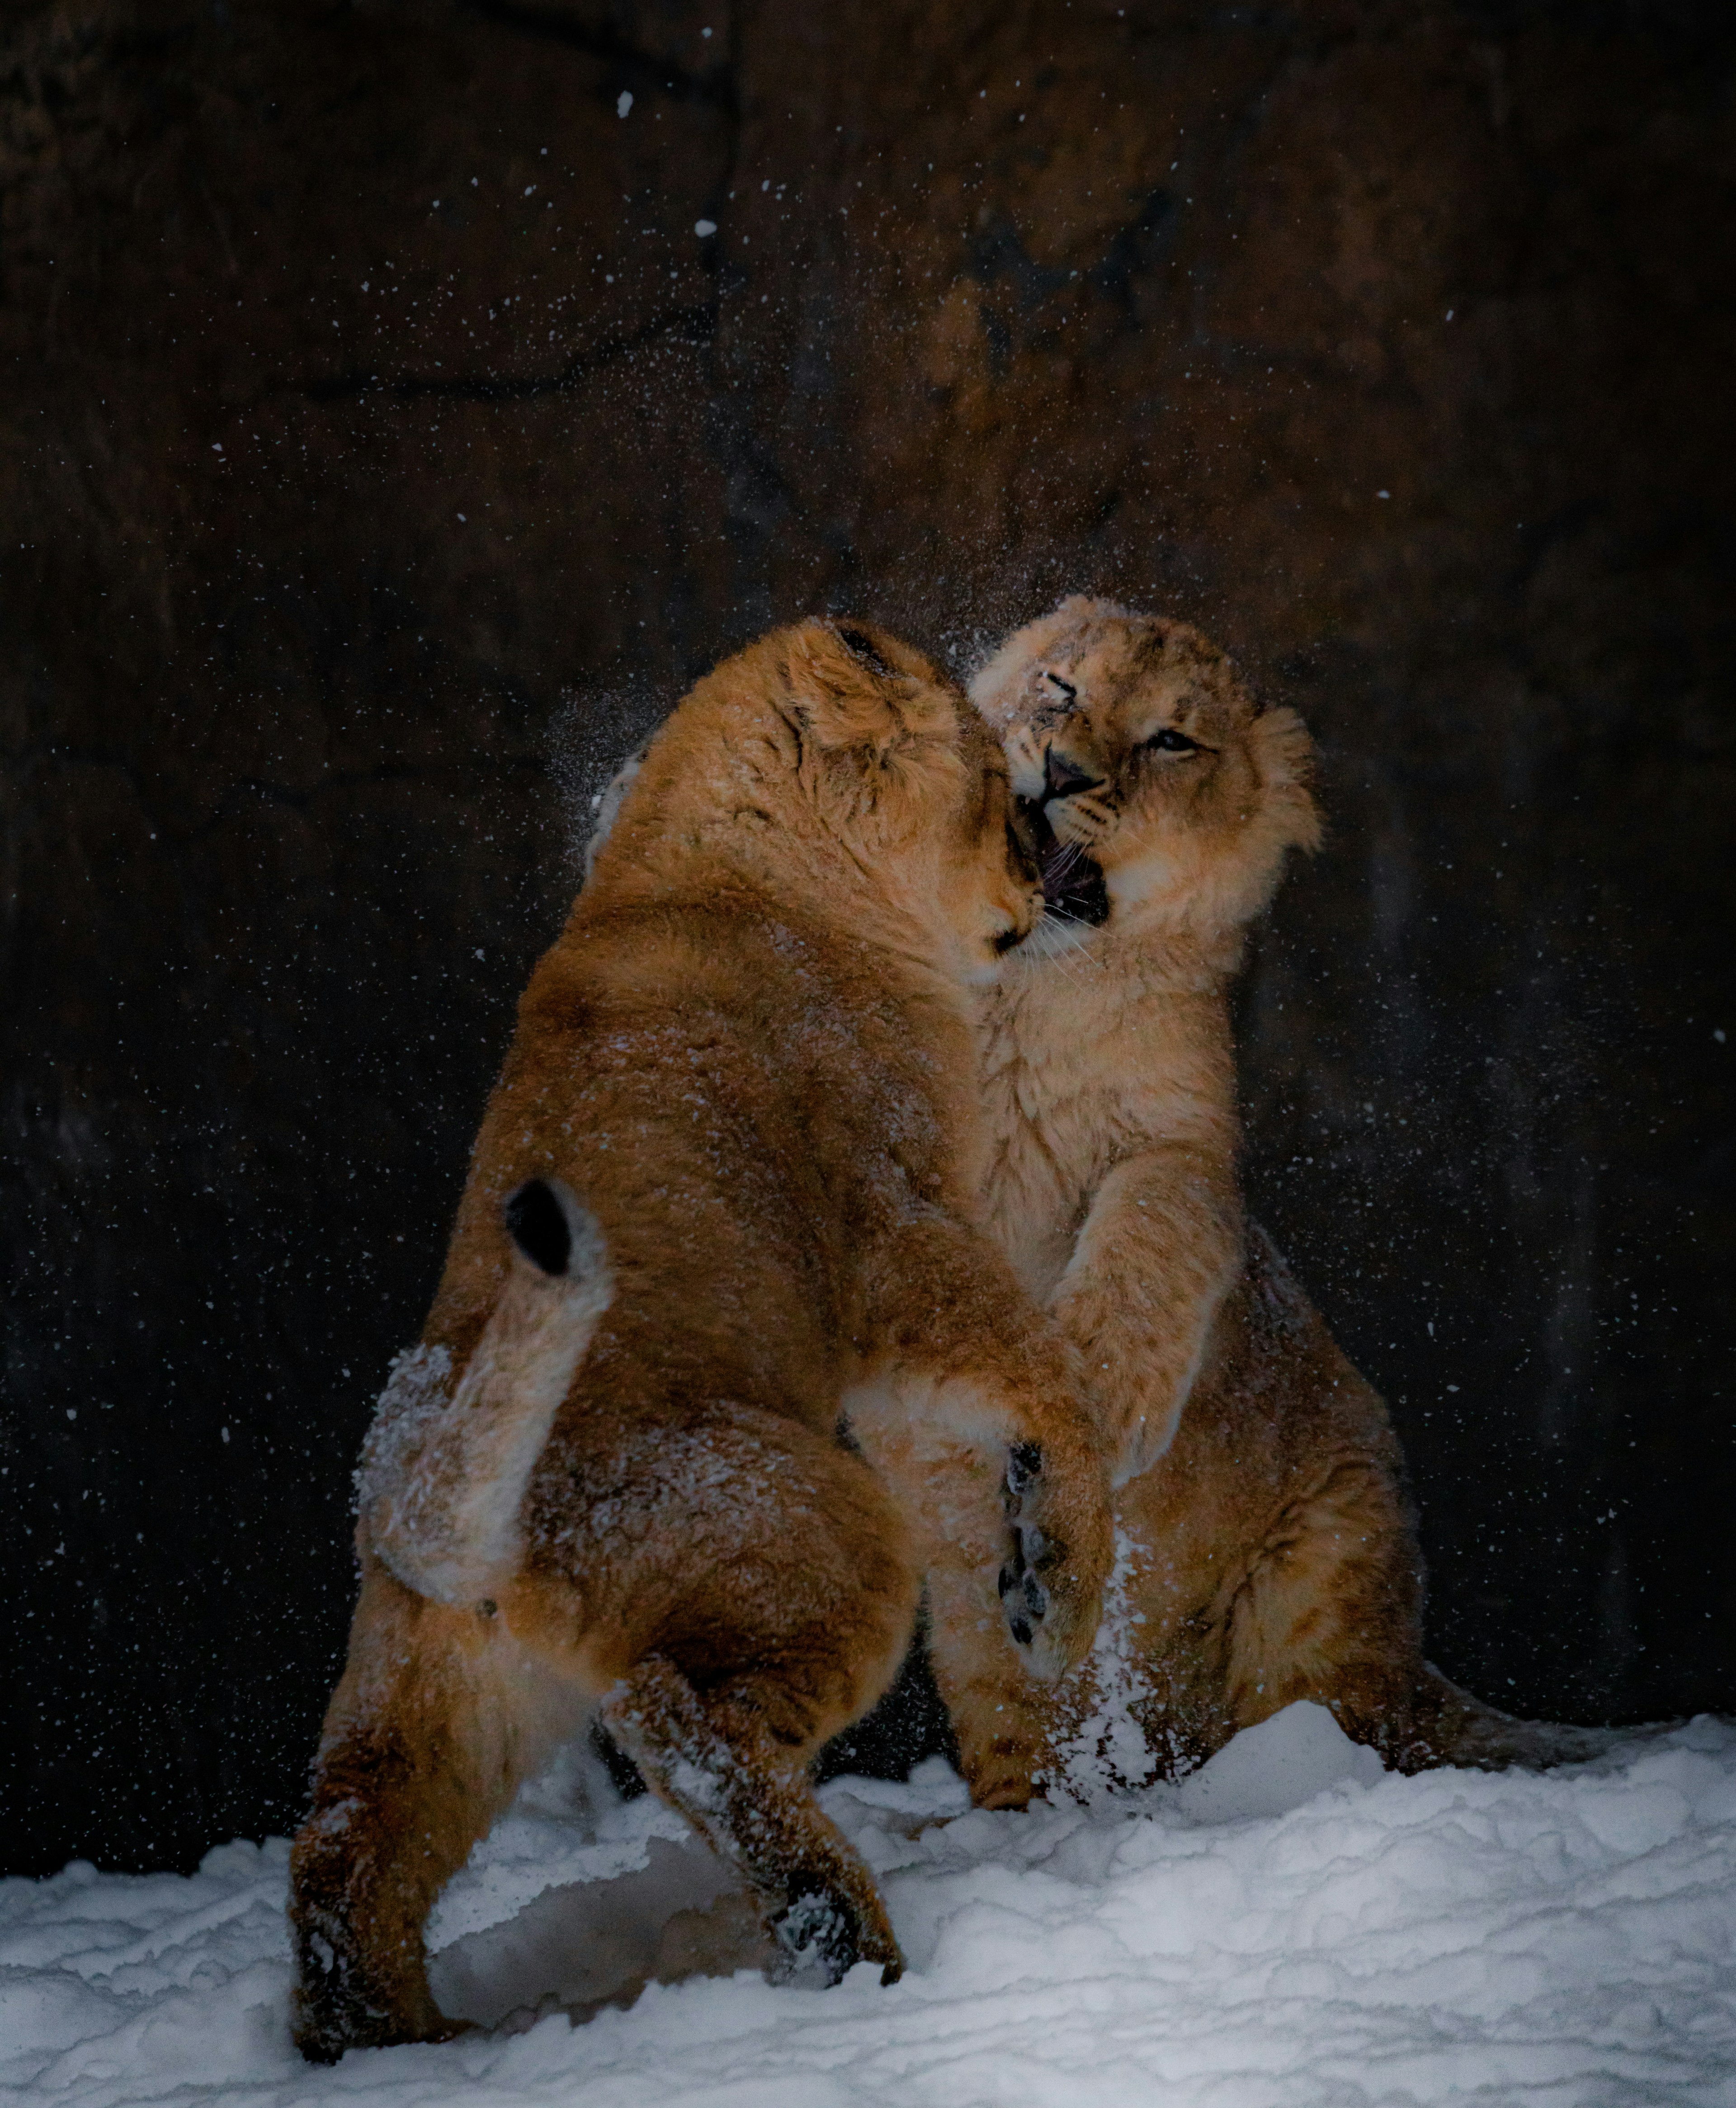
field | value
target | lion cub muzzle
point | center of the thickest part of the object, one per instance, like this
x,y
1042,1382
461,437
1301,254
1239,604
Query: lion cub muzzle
x,y
1073,886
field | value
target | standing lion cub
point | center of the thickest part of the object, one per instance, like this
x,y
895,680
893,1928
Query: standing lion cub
x,y
724,1182
1267,1551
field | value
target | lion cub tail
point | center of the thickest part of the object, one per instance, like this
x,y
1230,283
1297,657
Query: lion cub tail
x,y
444,1466
1459,1729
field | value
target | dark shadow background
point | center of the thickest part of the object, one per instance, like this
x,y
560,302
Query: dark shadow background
x,y
382,448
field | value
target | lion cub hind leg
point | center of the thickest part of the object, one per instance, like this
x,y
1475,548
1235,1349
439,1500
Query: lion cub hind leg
x,y
1329,1609
719,1760
435,1726
791,1609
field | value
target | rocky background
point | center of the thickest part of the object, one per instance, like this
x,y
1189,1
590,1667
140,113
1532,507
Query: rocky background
x,y
402,402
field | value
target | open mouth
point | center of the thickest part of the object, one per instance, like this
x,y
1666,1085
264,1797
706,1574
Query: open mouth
x,y
1073,890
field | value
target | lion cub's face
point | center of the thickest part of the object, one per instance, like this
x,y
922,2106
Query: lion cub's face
x,y
1157,789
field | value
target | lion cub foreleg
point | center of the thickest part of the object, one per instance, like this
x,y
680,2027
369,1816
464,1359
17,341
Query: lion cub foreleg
x,y
1007,1724
436,1723
1159,1250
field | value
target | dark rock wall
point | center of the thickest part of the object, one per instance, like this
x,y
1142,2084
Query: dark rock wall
x,y
383,448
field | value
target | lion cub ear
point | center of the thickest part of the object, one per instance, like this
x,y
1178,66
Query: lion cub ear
x,y
1284,756
854,686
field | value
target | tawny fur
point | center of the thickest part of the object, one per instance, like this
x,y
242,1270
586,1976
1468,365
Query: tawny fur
x,y
749,1057
1269,1553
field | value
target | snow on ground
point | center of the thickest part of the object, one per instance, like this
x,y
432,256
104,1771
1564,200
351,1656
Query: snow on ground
x,y
1287,1928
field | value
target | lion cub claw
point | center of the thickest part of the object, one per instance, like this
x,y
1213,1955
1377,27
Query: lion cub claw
x,y
1045,1642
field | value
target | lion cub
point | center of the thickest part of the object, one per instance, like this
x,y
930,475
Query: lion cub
x,y
716,1193
1266,1550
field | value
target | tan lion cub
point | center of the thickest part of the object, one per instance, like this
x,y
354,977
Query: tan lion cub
x,y
1267,1551
716,1190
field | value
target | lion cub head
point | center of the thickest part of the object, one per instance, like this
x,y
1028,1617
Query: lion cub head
x,y
1158,793
831,764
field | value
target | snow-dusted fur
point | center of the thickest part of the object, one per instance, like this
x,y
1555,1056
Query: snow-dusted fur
x,y
1256,1469
444,1469
605,806
751,1052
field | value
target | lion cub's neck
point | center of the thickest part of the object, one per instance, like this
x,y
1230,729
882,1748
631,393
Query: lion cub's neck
x,y
1090,1055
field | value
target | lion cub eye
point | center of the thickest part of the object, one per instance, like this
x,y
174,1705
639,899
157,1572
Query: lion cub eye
x,y
1064,689
1169,740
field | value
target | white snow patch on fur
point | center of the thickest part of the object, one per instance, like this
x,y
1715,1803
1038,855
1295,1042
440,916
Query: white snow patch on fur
x,y
1108,1751
442,1478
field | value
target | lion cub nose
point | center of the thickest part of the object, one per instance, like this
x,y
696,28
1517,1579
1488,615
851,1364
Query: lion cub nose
x,y
1061,777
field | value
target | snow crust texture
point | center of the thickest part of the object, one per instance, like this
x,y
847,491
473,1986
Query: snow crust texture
x,y
1285,1929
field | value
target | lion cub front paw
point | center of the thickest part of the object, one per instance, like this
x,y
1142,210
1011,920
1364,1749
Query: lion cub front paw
x,y
1050,1593
1025,1598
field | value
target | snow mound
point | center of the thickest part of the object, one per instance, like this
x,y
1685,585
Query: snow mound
x,y
1270,1769
1290,1928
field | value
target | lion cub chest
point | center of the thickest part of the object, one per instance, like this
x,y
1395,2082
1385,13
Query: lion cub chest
x,y
1081,1071
1054,1128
